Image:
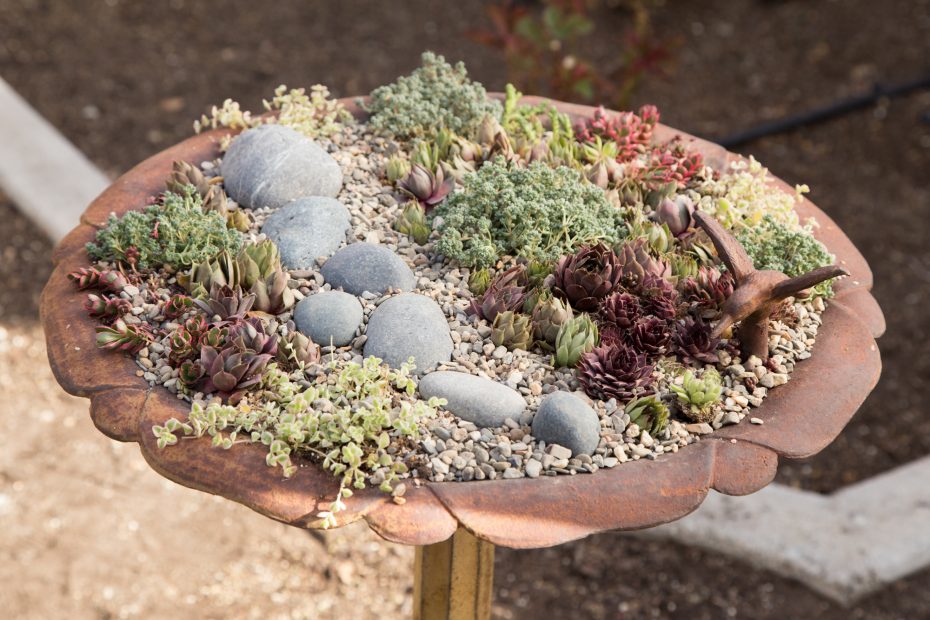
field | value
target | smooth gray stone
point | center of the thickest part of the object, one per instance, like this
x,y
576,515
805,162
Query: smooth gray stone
x,y
306,229
361,267
271,165
409,325
567,420
476,399
329,317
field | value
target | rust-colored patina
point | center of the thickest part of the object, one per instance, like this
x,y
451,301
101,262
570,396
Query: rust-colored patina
x,y
737,460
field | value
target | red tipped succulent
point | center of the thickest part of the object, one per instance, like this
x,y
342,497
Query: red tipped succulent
x,y
586,277
614,370
104,281
106,308
631,132
123,337
694,341
709,288
177,306
620,310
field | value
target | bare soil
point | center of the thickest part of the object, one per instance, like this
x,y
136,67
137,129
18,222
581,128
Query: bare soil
x,y
88,531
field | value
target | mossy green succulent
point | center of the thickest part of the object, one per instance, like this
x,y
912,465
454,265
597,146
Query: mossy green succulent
x,y
536,212
698,394
175,232
435,96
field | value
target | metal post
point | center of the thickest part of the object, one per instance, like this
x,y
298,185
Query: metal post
x,y
454,579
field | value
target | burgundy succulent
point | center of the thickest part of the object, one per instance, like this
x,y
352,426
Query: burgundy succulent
x,y
586,277
229,372
427,188
659,298
694,342
614,370
506,292
709,288
650,335
620,310
249,336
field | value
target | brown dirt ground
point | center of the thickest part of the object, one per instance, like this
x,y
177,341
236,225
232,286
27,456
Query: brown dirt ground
x,y
85,529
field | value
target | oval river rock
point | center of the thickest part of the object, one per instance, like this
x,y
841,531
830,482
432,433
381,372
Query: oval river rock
x,y
361,267
475,399
567,420
409,325
271,165
307,229
329,317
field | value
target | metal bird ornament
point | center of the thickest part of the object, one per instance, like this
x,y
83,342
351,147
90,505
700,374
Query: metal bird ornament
x,y
757,293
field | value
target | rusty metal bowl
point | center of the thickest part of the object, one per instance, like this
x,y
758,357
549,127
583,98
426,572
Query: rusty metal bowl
x,y
801,418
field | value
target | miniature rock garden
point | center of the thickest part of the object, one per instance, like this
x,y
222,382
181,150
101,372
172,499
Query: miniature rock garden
x,y
457,288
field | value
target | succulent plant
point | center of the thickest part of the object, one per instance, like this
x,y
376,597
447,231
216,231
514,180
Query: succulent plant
x,y
650,335
577,336
250,336
123,337
708,288
238,219
649,413
694,341
190,373
537,271
396,168
479,280
229,372
636,262
424,186
412,222
229,304
620,310
104,281
698,395
614,370
256,269
676,212
512,330
548,316
214,337
177,306
505,292
586,277
182,345
184,174
683,266
659,298
297,350
106,307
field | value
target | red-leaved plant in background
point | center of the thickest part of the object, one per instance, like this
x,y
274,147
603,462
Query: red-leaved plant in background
x,y
543,49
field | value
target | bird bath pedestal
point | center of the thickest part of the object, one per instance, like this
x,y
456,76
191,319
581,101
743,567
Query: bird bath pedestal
x,y
456,525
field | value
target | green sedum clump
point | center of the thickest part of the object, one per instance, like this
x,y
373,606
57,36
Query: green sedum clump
x,y
174,232
773,245
436,95
352,421
536,212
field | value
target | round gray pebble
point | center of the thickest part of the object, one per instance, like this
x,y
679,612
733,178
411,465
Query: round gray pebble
x,y
306,229
271,165
361,267
476,399
409,325
329,317
567,420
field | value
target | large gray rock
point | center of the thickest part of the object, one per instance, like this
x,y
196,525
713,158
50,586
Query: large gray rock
x,y
361,267
306,229
567,420
329,317
409,325
271,165
476,399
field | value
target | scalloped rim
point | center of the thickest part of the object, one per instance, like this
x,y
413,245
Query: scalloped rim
x,y
525,513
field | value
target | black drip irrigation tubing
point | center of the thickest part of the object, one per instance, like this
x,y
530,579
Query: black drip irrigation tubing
x,y
817,115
